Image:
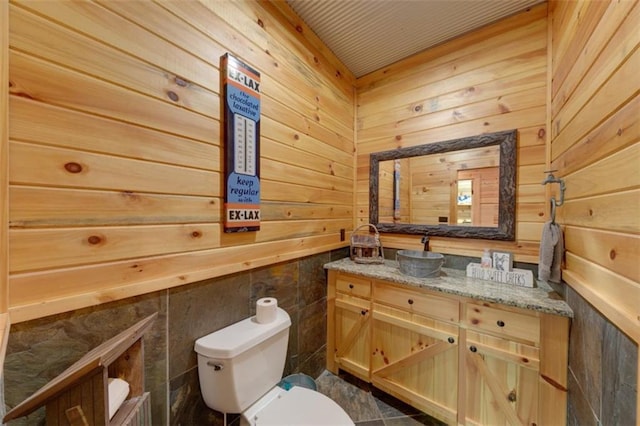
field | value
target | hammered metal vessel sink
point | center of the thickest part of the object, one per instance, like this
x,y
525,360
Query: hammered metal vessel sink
x,y
419,264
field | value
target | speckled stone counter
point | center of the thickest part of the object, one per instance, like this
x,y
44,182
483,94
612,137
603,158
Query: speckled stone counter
x,y
452,281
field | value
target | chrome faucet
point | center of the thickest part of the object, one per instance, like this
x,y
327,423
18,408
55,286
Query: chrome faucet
x,y
425,241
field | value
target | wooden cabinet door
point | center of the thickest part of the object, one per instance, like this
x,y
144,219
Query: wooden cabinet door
x,y
502,379
415,359
352,335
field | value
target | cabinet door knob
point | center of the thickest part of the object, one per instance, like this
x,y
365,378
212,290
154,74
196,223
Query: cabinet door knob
x,y
500,323
351,286
473,349
451,340
512,396
363,312
410,301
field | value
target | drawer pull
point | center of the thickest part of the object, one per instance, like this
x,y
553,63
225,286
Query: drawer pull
x,y
500,323
451,340
364,312
512,396
410,301
473,349
351,286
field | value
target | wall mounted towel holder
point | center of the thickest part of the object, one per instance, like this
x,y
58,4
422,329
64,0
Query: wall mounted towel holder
x,y
554,203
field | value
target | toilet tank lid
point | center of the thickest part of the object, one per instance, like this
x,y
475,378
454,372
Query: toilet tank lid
x,y
237,338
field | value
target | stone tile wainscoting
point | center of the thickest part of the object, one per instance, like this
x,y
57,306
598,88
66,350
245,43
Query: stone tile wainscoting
x,y
603,369
368,406
602,360
39,350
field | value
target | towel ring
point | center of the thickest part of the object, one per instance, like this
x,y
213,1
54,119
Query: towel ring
x,y
553,210
554,203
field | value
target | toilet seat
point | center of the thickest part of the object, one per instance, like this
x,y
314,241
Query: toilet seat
x,y
298,406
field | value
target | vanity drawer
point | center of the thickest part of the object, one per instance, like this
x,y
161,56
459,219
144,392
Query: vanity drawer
x,y
416,301
354,286
503,323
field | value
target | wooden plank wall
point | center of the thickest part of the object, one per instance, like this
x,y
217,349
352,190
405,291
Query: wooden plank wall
x,y
5,323
490,80
115,168
4,157
595,146
434,181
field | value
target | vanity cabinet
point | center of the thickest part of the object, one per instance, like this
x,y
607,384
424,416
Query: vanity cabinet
x,y
349,330
457,358
502,366
414,348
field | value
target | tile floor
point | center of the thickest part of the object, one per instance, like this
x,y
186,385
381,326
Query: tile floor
x,y
368,406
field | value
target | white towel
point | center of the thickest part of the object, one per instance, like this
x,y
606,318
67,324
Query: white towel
x,y
551,252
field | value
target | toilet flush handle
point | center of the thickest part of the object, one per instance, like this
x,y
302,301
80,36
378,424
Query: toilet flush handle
x,y
216,367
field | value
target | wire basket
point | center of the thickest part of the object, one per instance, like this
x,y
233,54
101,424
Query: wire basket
x,y
366,247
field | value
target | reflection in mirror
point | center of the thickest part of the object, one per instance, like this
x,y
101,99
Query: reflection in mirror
x,y
424,188
477,197
464,202
461,188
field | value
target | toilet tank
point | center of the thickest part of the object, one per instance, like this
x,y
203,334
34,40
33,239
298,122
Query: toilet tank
x,y
240,363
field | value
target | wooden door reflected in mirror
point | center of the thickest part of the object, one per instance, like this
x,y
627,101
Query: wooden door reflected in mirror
x,y
476,198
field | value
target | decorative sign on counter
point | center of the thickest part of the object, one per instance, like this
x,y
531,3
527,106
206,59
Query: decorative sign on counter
x,y
517,277
241,134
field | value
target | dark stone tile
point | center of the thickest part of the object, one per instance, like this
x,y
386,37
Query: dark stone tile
x,y
397,412
198,309
579,413
355,381
585,349
369,405
158,399
314,365
312,329
293,350
619,378
392,407
39,350
186,404
458,262
313,278
36,418
387,253
415,420
279,281
370,423
340,254
358,403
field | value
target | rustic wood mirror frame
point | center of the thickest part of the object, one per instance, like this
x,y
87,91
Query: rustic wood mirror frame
x,y
506,228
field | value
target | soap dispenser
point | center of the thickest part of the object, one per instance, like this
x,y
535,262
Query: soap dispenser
x,y
486,261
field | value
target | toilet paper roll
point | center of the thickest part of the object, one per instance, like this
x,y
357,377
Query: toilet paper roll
x,y
118,391
266,310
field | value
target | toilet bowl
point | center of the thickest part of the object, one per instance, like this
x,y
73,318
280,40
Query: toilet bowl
x,y
297,406
239,368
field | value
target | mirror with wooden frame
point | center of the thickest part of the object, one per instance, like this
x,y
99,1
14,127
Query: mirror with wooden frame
x,y
463,188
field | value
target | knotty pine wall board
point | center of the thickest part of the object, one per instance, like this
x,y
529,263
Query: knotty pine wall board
x,y
491,80
115,178
594,146
4,167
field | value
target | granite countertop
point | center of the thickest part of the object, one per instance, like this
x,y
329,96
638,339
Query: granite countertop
x,y
541,298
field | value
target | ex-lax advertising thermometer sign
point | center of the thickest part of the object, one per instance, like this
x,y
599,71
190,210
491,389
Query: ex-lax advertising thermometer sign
x,y
241,133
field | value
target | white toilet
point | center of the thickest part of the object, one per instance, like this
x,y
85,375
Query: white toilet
x,y
239,369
